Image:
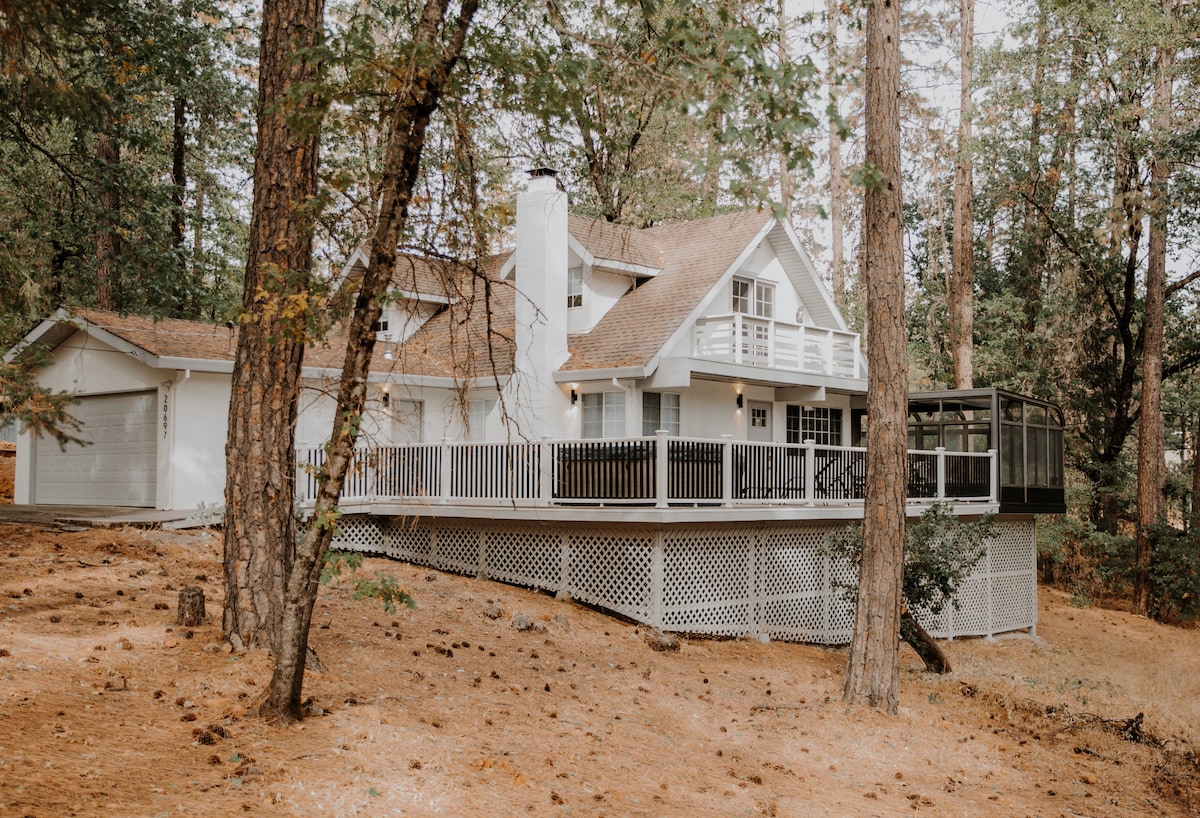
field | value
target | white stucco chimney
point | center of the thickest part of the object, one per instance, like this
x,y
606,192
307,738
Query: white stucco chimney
x,y
541,307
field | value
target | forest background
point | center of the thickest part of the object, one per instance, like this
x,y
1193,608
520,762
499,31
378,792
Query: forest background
x,y
127,136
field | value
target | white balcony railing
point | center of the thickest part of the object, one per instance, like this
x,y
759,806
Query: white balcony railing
x,y
766,342
659,471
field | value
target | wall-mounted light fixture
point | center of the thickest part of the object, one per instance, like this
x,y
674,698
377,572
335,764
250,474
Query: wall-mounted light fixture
x,y
387,396
387,346
741,401
574,397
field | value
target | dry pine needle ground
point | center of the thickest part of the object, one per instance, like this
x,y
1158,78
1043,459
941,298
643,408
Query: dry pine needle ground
x,y
494,700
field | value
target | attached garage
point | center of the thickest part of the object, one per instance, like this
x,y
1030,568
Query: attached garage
x,y
118,468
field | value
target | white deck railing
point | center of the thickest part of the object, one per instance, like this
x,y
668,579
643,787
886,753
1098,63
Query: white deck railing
x,y
766,342
658,471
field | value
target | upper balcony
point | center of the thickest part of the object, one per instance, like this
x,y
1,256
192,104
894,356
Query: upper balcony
x,y
767,342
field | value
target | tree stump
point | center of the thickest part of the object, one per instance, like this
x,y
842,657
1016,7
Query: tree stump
x,y
191,606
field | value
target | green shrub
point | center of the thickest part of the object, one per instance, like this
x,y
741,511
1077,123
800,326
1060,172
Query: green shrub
x,y
1174,574
941,550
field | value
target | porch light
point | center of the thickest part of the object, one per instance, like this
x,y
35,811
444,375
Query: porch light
x,y
741,401
574,397
387,387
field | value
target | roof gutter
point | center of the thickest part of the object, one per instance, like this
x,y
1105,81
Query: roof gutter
x,y
609,374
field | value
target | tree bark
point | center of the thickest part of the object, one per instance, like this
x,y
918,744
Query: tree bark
x,y
872,674
1151,467
962,251
437,47
927,648
190,609
787,188
108,242
260,529
178,171
1195,516
837,184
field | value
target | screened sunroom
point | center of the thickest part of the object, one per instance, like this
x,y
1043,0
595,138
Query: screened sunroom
x,y
1026,432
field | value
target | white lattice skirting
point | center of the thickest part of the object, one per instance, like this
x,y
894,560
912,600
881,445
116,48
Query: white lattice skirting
x,y
763,580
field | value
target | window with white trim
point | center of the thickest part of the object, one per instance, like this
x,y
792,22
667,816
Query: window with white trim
x,y
477,415
603,414
660,410
755,298
574,287
818,423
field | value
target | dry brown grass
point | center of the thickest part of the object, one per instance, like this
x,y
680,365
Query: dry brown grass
x,y
107,708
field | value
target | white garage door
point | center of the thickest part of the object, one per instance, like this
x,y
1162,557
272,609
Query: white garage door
x,y
120,466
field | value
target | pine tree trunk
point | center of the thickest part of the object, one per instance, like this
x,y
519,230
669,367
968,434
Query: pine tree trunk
x,y
406,141
837,185
872,675
108,243
962,251
260,529
178,170
1151,430
1195,518
787,188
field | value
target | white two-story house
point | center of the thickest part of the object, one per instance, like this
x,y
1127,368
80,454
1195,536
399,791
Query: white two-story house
x,y
662,421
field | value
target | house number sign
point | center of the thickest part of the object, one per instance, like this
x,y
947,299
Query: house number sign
x,y
166,406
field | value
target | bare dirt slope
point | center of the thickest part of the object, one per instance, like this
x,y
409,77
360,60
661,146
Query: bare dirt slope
x,y
108,708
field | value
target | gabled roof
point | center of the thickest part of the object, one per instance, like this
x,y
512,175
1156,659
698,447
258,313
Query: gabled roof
x,y
694,257
614,246
175,343
418,278
166,343
473,337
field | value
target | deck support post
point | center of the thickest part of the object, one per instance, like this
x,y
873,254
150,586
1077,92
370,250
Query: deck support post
x,y
941,472
655,613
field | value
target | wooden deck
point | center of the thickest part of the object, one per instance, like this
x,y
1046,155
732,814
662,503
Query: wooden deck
x,y
660,472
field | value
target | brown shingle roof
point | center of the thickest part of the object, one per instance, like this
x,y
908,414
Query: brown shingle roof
x,y
474,335
617,242
168,337
429,276
694,256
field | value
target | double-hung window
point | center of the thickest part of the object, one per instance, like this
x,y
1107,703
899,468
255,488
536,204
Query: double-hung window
x,y
574,287
603,414
477,415
660,410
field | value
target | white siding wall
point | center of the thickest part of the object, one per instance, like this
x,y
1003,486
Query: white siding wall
x,y
195,468
601,291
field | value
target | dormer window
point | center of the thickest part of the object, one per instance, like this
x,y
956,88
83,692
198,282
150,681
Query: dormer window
x,y
574,287
755,298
